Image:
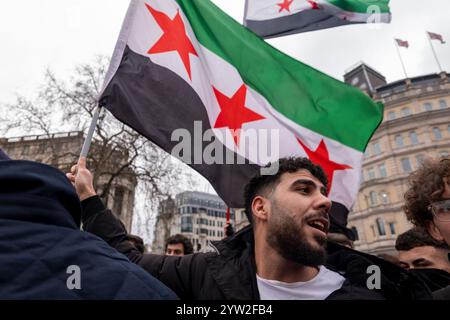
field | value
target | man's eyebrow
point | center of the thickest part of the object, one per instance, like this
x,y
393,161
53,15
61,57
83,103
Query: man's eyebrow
x,y
303,182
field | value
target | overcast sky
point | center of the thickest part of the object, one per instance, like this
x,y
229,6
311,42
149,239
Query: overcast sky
x,y
61,34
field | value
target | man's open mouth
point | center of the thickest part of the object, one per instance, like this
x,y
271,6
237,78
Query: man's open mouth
x,y
319,224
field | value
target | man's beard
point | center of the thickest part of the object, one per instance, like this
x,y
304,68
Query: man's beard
x,y
288,239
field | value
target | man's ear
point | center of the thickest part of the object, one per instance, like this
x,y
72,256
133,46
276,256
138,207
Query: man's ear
x,y
260,208
434,231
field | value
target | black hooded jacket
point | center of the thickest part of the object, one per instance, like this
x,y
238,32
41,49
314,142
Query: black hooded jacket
x,y
230,271
42,246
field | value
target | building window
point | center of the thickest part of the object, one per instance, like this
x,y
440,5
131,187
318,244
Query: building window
x,y
399,140
376,148
186,224
373,198
384,197
413,137
392,227
380,227
391,115
419,159
428,106
406,112
406,165
442,104
370,174
118,200
382,170
437,133
355,232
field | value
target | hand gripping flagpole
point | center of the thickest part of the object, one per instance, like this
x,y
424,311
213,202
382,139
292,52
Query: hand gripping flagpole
x,y
90,135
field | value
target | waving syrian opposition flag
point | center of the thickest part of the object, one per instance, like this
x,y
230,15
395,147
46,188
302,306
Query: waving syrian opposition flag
x,y
273,18
183,70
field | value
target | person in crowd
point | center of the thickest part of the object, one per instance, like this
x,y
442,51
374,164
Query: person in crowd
x,y
425,257
427,203
45,255
138,242
178,245
282,254
418,250
228,229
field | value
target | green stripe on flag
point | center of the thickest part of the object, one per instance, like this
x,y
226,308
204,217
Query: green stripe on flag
x,y
361,6
299,92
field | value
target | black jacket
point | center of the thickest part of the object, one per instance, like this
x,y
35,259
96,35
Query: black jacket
x,y
40,239
230,271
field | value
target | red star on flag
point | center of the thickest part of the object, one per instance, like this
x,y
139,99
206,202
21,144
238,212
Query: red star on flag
x,y
322,158
285,5
174,37
233,112
314,5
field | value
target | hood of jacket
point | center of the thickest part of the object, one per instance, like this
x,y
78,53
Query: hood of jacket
x,y
35,192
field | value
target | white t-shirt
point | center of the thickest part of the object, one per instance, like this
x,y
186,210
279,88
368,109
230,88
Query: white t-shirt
x,y
318,288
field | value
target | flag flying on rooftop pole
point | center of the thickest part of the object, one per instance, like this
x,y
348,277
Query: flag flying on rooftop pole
x,y
435,36
274,18
405,44
402,43
186,67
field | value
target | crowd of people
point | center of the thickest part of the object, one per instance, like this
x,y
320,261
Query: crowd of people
x,y
289,251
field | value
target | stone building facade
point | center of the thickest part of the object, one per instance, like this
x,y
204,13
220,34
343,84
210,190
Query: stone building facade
x,y
416,125
199,216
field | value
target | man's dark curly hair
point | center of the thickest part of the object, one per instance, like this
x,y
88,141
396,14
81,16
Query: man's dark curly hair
x,y
261,185
417,237
179,238
425,186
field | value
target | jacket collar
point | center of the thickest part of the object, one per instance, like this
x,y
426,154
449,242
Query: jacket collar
x,y
234,267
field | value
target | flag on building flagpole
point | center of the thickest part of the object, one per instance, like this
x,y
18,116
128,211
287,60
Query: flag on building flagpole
x,y
402,43
405,44
185,67
435,36
274,18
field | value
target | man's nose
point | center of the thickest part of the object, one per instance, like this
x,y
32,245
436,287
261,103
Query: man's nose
x,y
323,202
